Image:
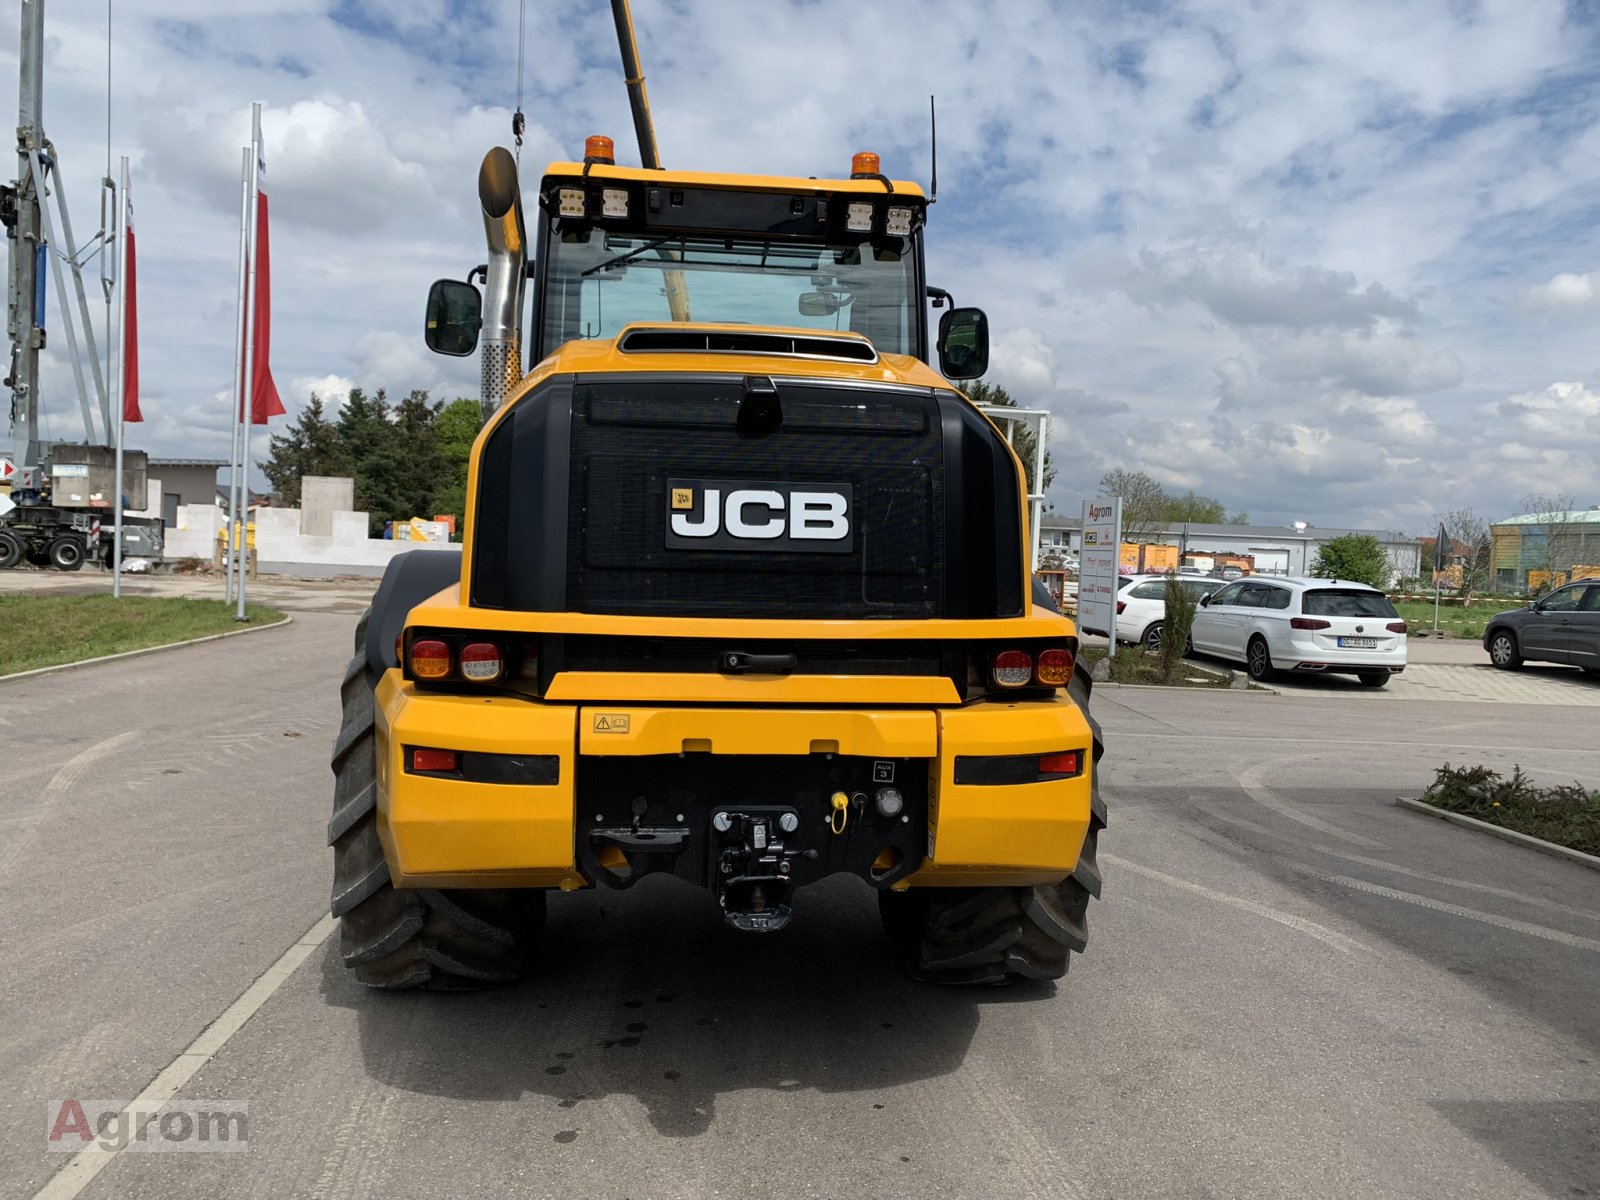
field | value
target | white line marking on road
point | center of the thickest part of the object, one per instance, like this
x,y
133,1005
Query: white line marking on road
x,y
63,779
1300,924
1467,884
1320,740
1472,914
1250,781
86,1164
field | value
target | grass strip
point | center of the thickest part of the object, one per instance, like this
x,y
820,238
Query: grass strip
x,y
46,631
1135,665
1568,814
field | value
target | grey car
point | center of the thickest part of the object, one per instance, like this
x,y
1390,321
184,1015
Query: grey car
x,y
1564,627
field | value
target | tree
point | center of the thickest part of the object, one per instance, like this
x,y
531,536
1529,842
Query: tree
x,y
311,446
1358,557
1149,510
1023,440
1176,627
1469,548
1555,541
457,427
1143,503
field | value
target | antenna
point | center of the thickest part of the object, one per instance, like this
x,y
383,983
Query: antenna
x,y
933,146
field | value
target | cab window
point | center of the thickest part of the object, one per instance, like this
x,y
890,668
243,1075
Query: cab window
x,y
1566,600
1228,595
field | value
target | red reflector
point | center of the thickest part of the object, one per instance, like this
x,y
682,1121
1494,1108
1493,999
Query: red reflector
x,y
482,662
430,660
1012,668
1396,627
433,760
1309,623
1068,762
1054,667
1122,607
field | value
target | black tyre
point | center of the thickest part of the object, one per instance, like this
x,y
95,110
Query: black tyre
x,y
445,940
1503,650
1001,935
1152,637
1374,679
1258,660
67,553
11,550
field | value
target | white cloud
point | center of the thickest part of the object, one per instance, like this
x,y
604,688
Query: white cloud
x,y
1565,292
1299,257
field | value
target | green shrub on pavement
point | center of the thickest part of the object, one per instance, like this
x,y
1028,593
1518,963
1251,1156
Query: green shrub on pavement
x,y
1568,815
1176,626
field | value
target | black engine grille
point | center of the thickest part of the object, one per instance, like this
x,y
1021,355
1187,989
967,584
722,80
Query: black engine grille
x,y
629,437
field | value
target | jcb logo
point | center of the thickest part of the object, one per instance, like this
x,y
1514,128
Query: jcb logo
x,y
720,514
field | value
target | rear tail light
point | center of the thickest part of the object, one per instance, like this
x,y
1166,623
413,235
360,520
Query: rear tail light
x,y
1012,668
1309,623
1065,765
1396,626
482,662
1053,667
430,659
424,760
1122,606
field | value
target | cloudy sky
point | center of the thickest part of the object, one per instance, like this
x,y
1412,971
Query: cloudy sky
x,y
1327,262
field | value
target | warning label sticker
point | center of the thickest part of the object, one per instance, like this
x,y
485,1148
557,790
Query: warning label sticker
x,y
611,722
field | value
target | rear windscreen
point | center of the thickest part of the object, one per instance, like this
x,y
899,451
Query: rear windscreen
x,y
1331,602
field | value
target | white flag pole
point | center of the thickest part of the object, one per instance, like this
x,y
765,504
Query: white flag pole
x,y
119,383
247,413
239,389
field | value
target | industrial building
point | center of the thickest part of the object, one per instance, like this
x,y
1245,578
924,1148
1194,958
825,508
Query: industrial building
x,y
1539,550
1273,549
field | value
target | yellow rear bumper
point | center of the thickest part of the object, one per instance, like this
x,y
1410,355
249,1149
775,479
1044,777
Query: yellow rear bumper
x,y
452,833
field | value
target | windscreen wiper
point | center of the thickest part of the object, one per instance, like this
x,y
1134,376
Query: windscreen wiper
x,y
628,257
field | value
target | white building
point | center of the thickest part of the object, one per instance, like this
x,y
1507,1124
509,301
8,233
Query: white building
x,y
1277,549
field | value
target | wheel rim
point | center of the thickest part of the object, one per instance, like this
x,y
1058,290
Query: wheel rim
x,y
1152,638
1501,650
1258,659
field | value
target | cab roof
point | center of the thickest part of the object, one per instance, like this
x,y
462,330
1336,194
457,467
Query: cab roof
x,y
719,179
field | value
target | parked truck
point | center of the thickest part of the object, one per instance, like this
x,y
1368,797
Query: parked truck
x,y
743,598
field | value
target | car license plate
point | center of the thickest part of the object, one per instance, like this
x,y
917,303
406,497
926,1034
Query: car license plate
x,y
1355,643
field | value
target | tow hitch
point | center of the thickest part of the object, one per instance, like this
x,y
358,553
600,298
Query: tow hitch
x,y
755,849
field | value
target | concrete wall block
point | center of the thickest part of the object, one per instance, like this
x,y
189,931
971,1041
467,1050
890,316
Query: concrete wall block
x,y
322,497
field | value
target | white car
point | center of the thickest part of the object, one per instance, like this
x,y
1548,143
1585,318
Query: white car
x,y
1293,624
1142,606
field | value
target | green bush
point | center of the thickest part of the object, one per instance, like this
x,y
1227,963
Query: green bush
x,y
1568,815
1176,627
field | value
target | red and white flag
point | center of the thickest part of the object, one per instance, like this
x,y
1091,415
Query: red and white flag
x,y
130,320
264,400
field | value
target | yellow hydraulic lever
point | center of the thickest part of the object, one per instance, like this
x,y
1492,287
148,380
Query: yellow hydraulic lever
x,y
644,128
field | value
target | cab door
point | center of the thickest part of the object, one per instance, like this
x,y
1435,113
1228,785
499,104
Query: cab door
x,y
1547,633
1583,635
1214,623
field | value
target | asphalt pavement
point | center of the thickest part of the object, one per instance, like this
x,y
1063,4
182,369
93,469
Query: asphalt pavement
x,y
1292,988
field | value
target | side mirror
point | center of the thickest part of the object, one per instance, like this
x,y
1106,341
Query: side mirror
x,y
455,315
818,304
963,343
1205,600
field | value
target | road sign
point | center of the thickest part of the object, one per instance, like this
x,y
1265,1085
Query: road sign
x,y
1098,565
7,470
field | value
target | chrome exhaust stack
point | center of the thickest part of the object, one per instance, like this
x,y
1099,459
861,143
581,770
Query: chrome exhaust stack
x,y
501,197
